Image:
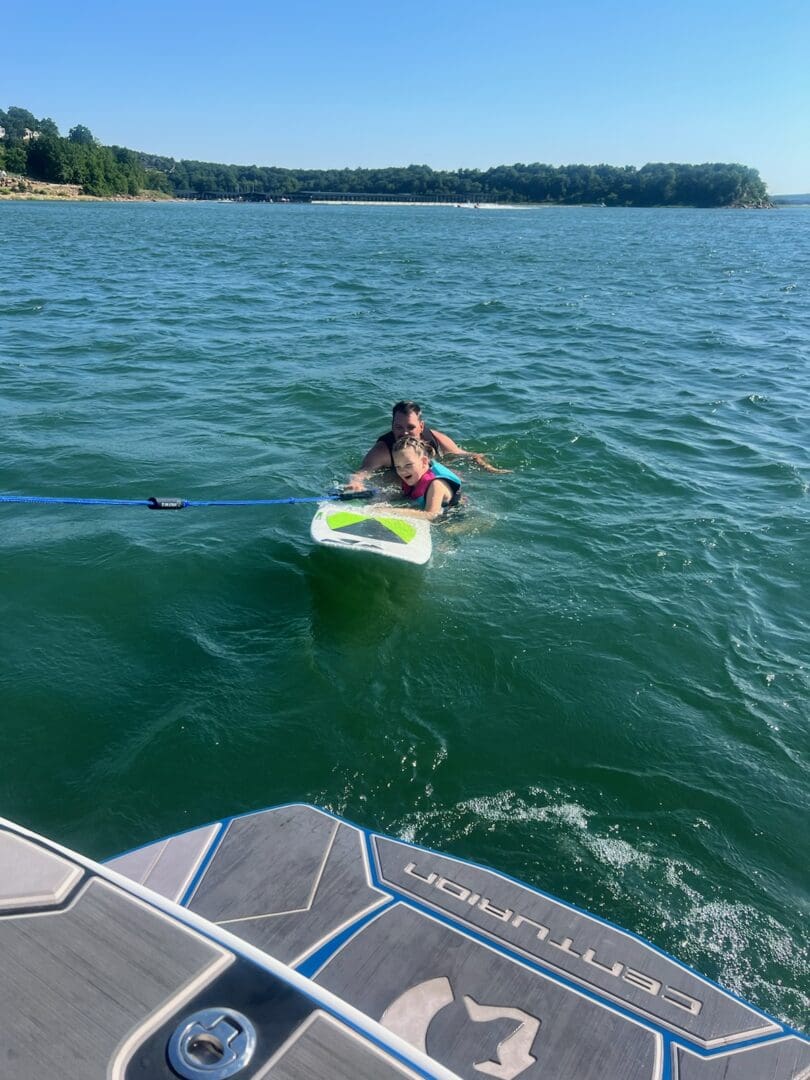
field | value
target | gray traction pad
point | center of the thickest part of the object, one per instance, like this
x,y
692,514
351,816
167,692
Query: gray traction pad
x,y
286,881
31,877
403,952
74,983
599,957
168,866
325,1048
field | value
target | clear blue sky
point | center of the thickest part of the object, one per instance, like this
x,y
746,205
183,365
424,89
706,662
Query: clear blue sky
x,y
444,83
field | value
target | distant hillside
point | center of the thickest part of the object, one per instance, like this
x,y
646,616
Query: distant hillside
x,y
791,200
34,148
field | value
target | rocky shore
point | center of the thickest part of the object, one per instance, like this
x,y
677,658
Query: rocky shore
x,y
23,187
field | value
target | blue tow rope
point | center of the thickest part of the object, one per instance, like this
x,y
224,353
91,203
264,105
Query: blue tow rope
x,y
154,503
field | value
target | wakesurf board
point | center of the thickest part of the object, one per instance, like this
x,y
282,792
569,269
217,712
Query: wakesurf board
x,y
373,531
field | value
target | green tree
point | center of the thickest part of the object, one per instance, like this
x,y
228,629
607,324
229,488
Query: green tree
x,y
47,159
16,121
48,127
82,135
17,158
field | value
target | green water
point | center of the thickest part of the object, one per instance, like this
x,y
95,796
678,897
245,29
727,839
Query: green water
x,y
601,686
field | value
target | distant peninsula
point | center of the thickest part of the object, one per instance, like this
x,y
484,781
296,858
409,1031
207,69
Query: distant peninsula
x,y
33,149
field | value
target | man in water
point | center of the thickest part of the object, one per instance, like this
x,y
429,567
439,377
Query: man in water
x,y
406,419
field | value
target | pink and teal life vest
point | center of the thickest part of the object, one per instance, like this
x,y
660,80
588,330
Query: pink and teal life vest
x,y
437,471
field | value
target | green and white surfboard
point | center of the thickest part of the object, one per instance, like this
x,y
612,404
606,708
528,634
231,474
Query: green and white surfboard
x,y
372,531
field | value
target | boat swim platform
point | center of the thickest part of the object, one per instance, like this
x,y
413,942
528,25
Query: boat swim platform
x,y
292,945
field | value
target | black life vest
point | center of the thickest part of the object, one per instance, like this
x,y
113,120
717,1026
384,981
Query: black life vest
x,y
427,436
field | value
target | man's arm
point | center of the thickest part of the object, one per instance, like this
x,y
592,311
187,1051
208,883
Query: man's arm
x,y
447,446
378,457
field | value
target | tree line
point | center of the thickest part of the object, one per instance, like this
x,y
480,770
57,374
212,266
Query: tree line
x,y
34,148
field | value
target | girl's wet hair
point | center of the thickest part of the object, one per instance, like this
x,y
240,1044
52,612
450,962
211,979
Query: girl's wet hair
x,y
411,442
406,407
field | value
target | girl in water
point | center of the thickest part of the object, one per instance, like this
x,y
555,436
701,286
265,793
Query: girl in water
x,y
429,486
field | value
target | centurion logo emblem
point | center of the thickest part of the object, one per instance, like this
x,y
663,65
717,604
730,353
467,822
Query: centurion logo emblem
x,y
537,931
410,1015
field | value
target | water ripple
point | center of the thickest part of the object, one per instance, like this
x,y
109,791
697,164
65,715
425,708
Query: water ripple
x,y
600,681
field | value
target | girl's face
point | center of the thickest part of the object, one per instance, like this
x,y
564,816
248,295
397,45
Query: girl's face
x,y
411,466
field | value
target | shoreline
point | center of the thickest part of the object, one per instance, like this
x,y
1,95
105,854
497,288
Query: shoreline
x,y
44,191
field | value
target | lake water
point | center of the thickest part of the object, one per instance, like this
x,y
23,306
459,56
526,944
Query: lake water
x,y
600,685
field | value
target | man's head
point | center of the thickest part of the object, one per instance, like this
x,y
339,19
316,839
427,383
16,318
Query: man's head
x,y
406,419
